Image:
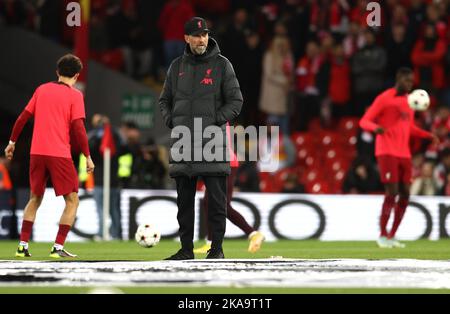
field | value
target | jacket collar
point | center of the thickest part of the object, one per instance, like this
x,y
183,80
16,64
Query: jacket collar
x,y
212,51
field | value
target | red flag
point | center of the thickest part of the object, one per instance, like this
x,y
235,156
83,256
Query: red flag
x,y
81,49
108,140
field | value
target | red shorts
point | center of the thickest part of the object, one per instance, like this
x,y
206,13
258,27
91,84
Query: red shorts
x,y
61,171
395,169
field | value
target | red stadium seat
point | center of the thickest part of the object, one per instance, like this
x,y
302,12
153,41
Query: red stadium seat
x,y
301,139
348,125
303,154
329,139
337,164
315,125
318,187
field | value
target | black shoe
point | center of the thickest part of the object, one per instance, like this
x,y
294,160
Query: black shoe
x,y
215,254
181,256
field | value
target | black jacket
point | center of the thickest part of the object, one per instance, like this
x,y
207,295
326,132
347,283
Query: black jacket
x,y
203,87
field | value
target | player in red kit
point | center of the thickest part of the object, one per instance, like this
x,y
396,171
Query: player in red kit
x,y
392,120
58,111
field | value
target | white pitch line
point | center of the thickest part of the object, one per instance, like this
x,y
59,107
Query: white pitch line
x,y
356,273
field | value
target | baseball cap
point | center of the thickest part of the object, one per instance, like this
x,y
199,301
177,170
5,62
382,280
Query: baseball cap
x,y
195,26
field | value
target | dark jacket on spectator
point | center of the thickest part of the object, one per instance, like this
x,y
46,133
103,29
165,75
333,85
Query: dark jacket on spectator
x,y
368,67
428,59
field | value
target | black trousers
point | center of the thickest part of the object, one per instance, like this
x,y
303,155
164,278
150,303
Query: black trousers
x,y
216,189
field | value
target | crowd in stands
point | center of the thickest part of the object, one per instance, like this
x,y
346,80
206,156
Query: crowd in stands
x,y
310,67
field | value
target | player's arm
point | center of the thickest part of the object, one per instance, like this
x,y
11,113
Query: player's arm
x,y
17,130
166,97
79,132
20,123
415,131
367,122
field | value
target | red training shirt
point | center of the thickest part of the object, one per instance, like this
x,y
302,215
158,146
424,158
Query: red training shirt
x,y
54,107
391,112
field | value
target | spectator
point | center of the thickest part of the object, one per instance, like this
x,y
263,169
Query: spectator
x,y
98,33
417,162
368,69
96,136
428,60
335,82
277,82
441,172
50,21
131,136
292,185
359,13
307,92
328,15
398,47
171,23
250,79
233,39
354,40
440,127
12,12
417,12
425,184
297,24
362,178
435,16
149,170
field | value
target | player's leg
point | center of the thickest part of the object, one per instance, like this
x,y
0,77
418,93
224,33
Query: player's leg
x,y
38,182
65,224
207,246
389,177
216,188
186,188
65,182
29,217
256,237
399,213
403,201
391,192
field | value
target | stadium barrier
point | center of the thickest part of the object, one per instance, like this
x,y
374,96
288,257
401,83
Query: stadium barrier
x,y
278,216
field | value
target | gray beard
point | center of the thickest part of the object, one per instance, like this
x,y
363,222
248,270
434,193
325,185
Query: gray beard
x,y
199,50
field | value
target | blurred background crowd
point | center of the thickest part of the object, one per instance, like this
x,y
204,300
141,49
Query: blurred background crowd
x,y
310,67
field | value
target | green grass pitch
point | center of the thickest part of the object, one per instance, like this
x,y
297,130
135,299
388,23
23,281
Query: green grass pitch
x,y
236,249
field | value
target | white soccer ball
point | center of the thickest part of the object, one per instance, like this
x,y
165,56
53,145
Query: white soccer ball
x,y
147,235
419,100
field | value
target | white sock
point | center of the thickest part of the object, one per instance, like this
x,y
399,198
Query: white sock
x,y
24,244
58,247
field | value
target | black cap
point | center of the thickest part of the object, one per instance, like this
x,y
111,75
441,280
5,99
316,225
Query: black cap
x,y
195,26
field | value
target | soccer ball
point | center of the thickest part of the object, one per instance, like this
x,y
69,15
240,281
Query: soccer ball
x,y
419,100
147,236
